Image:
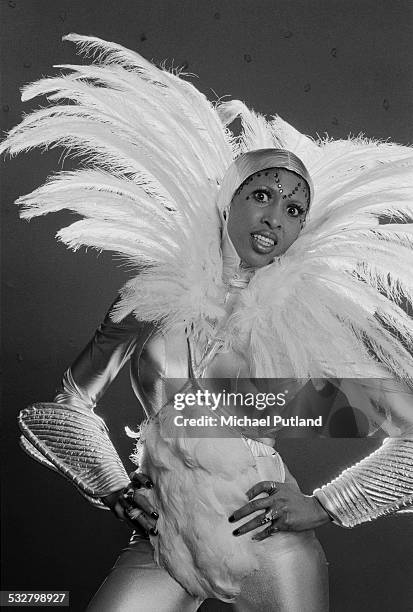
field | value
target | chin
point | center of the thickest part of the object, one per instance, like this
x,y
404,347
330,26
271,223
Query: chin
x,y
259,261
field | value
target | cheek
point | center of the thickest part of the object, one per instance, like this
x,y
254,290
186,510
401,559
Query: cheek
x,y
292,229
238,222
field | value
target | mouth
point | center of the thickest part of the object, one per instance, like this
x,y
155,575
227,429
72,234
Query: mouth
x,y
263,242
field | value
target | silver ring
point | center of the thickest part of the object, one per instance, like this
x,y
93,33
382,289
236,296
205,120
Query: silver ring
x,y
134,513
271,515
273,487
128,494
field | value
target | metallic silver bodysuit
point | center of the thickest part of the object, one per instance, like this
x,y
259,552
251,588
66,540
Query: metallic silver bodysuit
x,y
293,571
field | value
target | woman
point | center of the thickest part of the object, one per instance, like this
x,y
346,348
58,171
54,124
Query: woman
x,y
222,314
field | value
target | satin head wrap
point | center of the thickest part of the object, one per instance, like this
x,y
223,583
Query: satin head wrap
x,y
244,166
254,161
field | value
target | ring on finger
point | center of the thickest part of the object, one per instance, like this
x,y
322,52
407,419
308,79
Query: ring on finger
x,y
134,513
271,515
128,495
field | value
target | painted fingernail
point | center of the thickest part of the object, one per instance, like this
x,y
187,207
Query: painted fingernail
x,y
148,484
153,531
236,532
155,515
232,519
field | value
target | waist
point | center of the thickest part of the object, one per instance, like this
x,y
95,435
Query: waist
x,y
268,462
258,448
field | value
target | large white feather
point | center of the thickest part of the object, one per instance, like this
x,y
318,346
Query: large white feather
x,y
154,151
157,150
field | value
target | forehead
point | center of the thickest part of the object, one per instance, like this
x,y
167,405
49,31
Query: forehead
x,y
274,175
291,184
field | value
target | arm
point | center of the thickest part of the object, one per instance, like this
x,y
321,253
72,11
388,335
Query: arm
x,y
381,483
67,435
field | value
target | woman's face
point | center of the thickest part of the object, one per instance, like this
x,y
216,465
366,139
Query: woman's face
x,y
267,214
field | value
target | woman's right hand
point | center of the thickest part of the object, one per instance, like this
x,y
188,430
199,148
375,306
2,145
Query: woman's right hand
x,y
133,507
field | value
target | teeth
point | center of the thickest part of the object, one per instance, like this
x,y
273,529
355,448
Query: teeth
x,y
263,240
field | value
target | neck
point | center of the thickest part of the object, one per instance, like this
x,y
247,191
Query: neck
x,y
242,276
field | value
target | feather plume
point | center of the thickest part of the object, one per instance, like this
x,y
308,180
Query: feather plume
x,y
166,459
153,152
341,284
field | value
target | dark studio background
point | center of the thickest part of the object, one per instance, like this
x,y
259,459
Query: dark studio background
x,y
335,66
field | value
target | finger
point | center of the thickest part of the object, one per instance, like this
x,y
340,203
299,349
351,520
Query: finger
x,y
123,506
133,524
141,480
139,502
125,501
262,519
137,515
281,523
118,511
135,484
253,506
266,533
129,491
266,486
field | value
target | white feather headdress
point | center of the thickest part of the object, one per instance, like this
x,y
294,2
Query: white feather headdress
x,y
154,152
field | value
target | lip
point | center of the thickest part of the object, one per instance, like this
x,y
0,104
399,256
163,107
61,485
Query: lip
x,y
260,247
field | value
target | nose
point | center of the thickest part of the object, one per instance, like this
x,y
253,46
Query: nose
x,y
271,215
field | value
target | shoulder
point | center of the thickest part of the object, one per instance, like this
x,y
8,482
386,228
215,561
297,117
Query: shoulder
x,y
127,327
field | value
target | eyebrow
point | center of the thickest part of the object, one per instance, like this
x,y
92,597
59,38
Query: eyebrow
x,y
275,189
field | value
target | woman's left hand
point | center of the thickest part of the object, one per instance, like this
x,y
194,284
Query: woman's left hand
x,y
285,508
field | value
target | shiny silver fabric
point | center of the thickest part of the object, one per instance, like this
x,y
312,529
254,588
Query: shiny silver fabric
x,y
75,441
380,484
292,575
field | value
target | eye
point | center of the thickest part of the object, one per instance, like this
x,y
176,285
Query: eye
x,y
262,196
294,211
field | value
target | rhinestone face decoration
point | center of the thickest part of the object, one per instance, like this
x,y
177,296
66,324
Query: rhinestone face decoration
x,y
300,186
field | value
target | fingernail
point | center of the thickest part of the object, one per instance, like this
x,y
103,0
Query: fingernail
x,y
155,515
236,532
153,531
231,519
148,484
